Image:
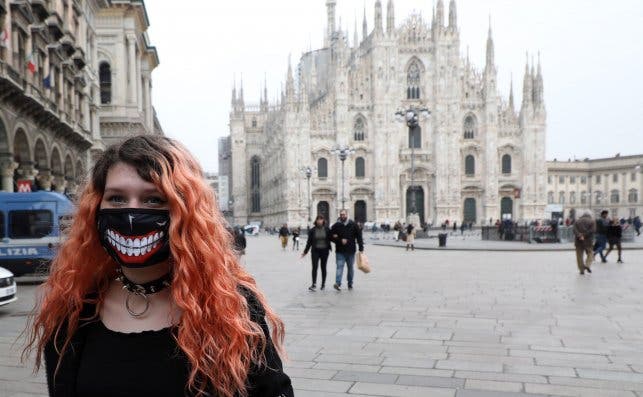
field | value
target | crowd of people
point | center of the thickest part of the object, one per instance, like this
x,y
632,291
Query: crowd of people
x,y
592,237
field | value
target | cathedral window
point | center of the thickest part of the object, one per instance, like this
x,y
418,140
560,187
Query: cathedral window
x,y
359,129
415,137
105,77
254,122
322,168
470,127
633,197
469,165
360,167
255,184
550,198
506,164
614,196
413,81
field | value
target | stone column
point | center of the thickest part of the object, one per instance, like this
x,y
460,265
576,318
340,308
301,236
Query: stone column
x,y
7,167
26,170
59,183
70,186
9,48
147,102
139,83
131,51
45,178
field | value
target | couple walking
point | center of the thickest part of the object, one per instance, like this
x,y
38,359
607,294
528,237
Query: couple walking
x,y
346,236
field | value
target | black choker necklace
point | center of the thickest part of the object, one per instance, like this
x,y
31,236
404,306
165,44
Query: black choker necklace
x,y
142,290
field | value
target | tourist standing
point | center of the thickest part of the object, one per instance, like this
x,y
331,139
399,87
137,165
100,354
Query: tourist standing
x,y
283,236
584,229
410,237
318,244
637,225
601,235
347,237
295,238
614,235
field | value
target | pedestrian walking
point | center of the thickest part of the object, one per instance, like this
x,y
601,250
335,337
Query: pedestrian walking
x,y
240,240
410,237
347,238
146,296
295,238
397,228
318,243
455,226
584,230
601,235
614,235
283,236
637,225
463,226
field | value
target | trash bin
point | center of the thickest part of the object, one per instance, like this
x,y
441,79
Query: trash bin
x,y
442,239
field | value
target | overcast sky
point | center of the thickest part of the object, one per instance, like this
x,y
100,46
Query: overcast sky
x,y
591,51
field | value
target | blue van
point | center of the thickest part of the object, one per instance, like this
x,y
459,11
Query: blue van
x,y
30,225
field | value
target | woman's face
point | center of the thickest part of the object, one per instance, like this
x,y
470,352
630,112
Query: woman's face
x,y
319,222
124,188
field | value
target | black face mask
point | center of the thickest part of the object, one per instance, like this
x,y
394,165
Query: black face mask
x,y
135,237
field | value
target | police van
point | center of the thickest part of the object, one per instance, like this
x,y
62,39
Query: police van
x,y
30,226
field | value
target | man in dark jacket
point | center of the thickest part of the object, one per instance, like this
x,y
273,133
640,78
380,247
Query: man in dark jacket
x,y
584,229
614,235
345,233
601,235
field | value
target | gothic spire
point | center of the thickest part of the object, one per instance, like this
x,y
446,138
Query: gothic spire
x,y
378,18
241,90
290,82
538,84
330,11
511,94
234,91
453,15
364,26
356,35
439,18
490,49
390,18
527,85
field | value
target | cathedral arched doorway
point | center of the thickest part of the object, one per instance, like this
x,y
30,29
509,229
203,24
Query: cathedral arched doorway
x,y
360,211
323,209
418,193
469,210
506,208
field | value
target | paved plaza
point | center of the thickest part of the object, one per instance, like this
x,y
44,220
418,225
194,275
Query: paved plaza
x,y
437,323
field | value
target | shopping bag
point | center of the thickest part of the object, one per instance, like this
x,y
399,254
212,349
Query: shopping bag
x,y
362,263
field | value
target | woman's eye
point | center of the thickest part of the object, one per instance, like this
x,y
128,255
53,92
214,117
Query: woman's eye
x,y
155,201
116,199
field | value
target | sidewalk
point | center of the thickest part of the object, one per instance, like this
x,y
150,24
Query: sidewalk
x,y
473,242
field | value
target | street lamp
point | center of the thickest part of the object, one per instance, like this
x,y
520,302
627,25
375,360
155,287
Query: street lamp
x,y
343,153
308,171
411,117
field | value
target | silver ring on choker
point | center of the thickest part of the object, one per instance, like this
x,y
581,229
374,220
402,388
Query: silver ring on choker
x,y
129,309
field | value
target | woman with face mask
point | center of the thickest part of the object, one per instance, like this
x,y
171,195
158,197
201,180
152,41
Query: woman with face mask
x,y
319,245
146,296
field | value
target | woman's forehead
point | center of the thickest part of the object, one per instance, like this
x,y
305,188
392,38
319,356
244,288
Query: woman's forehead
x,y
125,176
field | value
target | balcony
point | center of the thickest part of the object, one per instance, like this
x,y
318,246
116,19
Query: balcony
x,y
55,23
68,45
79,58
40,9
22,8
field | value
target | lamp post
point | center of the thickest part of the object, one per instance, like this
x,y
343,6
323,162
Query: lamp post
x,y
343,153
308,171
411,117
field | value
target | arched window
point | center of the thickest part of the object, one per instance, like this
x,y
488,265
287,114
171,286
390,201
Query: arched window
x,y
413,81
572,198
506,164
359,129
633,197
470,127
550,198
105,77
614,196
322,168
415,137
360,167
561,198
255,183
469,165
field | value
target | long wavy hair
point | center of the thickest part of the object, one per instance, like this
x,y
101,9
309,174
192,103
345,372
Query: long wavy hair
x,y
215,330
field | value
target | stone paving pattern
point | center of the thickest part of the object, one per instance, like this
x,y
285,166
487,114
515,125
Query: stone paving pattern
x,y
431,323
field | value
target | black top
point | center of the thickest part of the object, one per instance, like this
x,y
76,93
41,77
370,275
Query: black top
x,y
614,232
311,239
351,232
106,363
283,231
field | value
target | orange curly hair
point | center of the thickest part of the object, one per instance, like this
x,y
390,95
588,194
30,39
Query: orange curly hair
x,y
215,331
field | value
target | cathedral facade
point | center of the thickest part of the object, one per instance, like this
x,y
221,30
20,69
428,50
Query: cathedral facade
x,y
474,158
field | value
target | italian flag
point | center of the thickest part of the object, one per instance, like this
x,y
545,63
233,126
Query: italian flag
x,y
31,63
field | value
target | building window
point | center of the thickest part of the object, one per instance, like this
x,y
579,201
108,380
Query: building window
x,y
360,167
561,180
413,79
614,196
583,180
615,178
572,198
633,177
549,178
469,165
599,197
550,198
506,164
572,179
359,129
105,77
633,196
322,168
254,122
598,179
583,197
470,127
415,137
255,184
561,198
